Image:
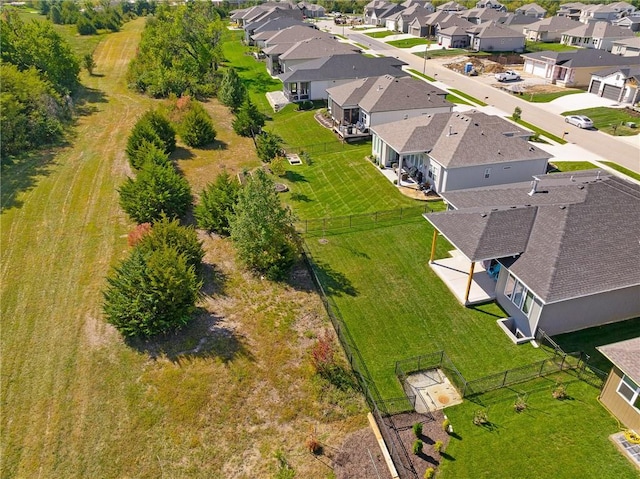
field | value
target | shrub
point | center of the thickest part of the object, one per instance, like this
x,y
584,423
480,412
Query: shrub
x,y
429,473
197,128
517,113
313,445
152,127
520,404
150,153
89,63
151,293
168,233
323,354
305,105
85,26
279,165
216,204
560,391
137,233
445,425
417,430
417,447
438,446
480,418
155,192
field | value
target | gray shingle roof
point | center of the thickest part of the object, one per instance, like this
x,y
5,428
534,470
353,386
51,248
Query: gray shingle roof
x,y
480,234
625,355
583,57
585,236
553,24
630,72
494,31
316,48
534,7
457,140
295,34
599,30
344,67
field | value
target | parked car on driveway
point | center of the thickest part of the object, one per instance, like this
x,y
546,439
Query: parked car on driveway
x,y
580,121
509,75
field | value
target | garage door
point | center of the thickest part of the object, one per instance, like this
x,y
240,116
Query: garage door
x,y
539,69
595,86
611,92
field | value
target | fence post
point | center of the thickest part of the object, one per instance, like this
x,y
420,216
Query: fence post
x,y
562,363
541,367
504,380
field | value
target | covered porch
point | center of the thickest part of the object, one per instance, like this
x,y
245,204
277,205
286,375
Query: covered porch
x,y
469,282
296,91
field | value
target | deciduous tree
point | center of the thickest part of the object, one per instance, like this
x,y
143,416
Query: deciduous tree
x,y
262,229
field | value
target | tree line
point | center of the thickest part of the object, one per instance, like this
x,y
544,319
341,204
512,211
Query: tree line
x,y
155,289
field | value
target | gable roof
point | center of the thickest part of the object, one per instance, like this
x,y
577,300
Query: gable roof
x,y
531,7
388,93
553,24
633,42
517,19
585,231
344,67
451,7
599,30
625,355
629,72
295,33
457,140
316,48
276,24
583,57
491,30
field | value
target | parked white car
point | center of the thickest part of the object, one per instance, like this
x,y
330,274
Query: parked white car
x,y
580,121
509,75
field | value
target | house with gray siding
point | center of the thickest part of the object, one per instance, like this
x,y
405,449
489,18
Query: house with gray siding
x,y
310,80
596,35
490,37
357,106
619,84
562,249
532,10
549,29
313,48
451,151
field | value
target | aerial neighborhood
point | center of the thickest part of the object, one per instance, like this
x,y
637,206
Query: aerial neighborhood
x,y
321,239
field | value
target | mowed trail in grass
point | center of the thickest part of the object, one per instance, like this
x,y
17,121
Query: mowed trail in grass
x,y
57,383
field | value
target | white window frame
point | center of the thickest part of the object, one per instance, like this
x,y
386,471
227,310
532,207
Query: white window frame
x,y
519,295
627,382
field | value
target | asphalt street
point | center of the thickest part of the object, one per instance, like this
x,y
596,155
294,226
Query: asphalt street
x,y
625,152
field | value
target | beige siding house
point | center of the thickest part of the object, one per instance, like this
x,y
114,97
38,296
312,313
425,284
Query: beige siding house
x,y
621,392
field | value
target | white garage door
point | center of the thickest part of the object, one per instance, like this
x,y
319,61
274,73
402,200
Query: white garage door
x,y
539,69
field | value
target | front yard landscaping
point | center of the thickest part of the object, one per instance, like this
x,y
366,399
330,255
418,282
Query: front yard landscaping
x,y
409,42
544,46
545,97
381,34
611,120
622,169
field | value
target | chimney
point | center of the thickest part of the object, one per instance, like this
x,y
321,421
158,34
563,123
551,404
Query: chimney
x,y
534,186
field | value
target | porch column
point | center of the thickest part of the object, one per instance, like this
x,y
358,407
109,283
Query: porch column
x,y
466,296
433,245
399,170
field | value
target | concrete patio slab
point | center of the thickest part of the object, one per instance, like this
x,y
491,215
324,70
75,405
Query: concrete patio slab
x,y
454,272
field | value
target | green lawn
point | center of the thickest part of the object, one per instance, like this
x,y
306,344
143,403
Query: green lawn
x,y
467,97
409,42
395,307
610,120
421,75
547,97
543,47
623,170
563,166
383,34
551,438
450,52
539,131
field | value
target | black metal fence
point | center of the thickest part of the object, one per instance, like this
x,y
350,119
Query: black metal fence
x,y
319,148
360,220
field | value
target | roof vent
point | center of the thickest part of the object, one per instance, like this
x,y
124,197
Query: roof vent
x,y
598,175
581,187
484,215
450,130
499,152
428,96
563,207
572,178
534,187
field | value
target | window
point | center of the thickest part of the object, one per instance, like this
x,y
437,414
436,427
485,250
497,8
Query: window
x,y
528,302
519,294
508,288
630,391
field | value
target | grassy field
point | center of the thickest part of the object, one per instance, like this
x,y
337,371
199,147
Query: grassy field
x,y
610,120
409,42
550,438
622,169
547,97
217,400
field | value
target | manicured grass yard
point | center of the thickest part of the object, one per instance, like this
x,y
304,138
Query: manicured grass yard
x,y
396,307
543,47
563,166
622,169
467,96
547,97
382,34
539,130
604,119
409,42
551,438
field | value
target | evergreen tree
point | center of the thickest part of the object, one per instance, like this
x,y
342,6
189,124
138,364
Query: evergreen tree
x,y
138,144
248,121
156,191
197,128
162,126
170,233
151,292
149,152
152,127
268,146
216,204
89,63
262,229
232,92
